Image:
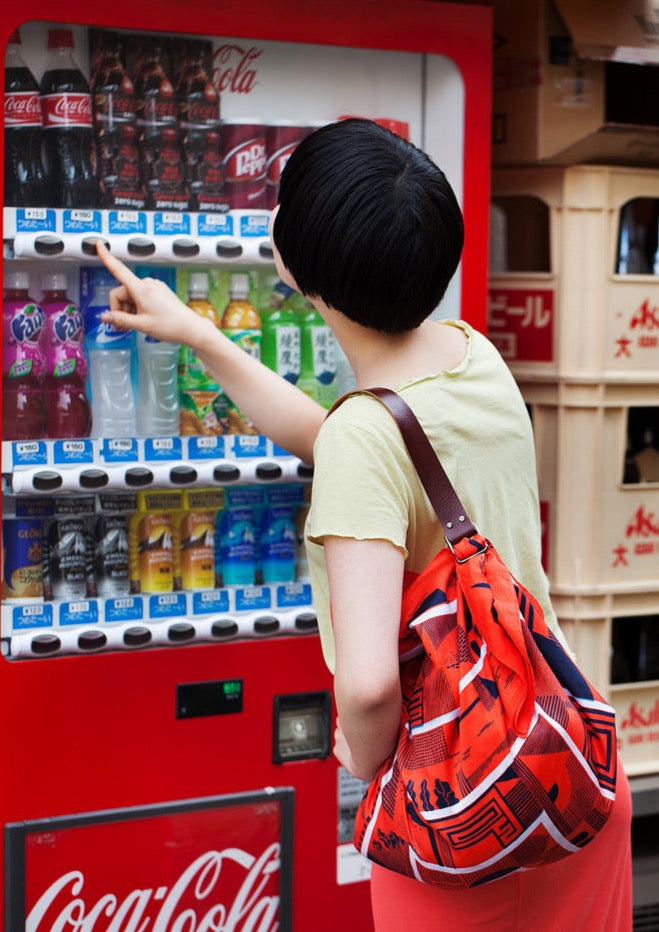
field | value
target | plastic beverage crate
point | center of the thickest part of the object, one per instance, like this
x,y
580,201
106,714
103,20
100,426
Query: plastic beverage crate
x,y
595,627
571,304
601,533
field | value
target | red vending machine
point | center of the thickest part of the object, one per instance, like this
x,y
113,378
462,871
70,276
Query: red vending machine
x,y
168,715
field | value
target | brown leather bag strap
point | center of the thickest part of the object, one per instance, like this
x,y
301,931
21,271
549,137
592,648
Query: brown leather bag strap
x,y
443,497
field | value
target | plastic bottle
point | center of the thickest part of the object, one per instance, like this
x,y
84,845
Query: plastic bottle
x,y
110,377
68,409
198,104
318,377
280,335
113,106
23,406
25,176
161,162
66,107
203,406
157,388
242,324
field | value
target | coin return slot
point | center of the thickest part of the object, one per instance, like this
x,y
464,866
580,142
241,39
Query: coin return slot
x,y
302,725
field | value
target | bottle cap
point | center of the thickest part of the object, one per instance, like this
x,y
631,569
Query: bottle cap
x,y
18,281
60,39
239,285
198,283
56,281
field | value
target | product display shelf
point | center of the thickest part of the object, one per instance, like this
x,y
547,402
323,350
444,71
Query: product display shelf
x,y
34,628
238,237
574,278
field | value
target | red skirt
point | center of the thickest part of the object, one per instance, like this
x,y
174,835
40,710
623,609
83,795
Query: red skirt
x,y
590,890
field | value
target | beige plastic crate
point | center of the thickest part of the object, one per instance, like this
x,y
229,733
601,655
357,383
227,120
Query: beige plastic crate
x,y
600,534
571,314
588,623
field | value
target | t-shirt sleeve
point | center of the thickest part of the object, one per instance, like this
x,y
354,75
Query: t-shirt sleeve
x,y
360,486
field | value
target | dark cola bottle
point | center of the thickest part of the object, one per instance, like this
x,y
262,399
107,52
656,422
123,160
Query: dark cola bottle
x,y
162,170
198,105
25,176
113,108
66,107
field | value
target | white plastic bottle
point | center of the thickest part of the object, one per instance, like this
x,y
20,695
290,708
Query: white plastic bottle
x,y
110,380
157,388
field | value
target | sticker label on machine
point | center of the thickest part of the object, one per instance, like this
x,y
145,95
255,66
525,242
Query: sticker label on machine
x,y
351,866
633,327
637,726
521,323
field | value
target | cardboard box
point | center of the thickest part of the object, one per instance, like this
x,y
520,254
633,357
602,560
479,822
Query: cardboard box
x,y
574,83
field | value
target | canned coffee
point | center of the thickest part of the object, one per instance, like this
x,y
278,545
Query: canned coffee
x,y
22,549
244,163
65,559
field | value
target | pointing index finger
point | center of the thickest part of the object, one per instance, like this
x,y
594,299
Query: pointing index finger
x,y
120,271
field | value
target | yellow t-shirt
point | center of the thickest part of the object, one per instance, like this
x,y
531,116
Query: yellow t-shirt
x,y
366,487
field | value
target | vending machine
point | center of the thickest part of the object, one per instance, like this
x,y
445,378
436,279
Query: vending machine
x,y
168,717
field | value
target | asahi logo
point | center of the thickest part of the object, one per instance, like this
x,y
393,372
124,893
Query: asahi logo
x,y
233,69
66,110
23,108
197,901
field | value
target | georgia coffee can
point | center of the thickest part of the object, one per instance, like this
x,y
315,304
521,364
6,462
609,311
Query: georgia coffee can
x,y
281,138
244,163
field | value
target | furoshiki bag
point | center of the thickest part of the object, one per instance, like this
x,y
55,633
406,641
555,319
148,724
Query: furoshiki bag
x,y
506,755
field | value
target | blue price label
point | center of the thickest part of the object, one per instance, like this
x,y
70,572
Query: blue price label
x,y
171,222
25,617
84,612
293,595
210,600
127,221
29,453
250,445
254,225
205,448
73,451
168,605
33,219
82,221
252,597
215,225
163,448
128,608
119,450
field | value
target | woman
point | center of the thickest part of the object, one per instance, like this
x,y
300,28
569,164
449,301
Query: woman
x,y
369,229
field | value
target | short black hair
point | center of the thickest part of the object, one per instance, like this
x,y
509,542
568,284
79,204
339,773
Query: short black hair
x,y
369,224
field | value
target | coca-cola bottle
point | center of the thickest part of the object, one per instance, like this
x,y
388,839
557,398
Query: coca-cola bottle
x,y
66,107
199,119
113,107
161,163
25,177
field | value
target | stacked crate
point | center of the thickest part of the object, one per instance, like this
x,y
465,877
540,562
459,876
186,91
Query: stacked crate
x,y
574,309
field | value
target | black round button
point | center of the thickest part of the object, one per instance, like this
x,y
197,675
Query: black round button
x,y
45,644
224,628
229,250
267,624
225,472
93,479
47,480
182,475
181,631
89,245
304,470
138,476
185,248
306,621
140,246
92,640
268,471
48,245
265,251
137,636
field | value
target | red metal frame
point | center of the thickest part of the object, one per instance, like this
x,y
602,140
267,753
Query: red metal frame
x,y
85,733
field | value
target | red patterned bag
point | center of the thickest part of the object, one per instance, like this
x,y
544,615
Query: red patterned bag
x,y
506,755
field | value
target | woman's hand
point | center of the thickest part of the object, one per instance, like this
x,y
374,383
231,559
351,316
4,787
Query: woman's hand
x,y
149,306
343,755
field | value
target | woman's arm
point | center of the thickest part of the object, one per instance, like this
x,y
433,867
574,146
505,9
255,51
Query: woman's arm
x,y
277,408
366,583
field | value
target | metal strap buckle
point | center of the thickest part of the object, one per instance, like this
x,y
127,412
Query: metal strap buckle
x,y
481,549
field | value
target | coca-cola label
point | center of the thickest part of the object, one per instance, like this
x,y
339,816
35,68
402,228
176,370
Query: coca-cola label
x,y
23,108
200,113
246,162
195,866
67,110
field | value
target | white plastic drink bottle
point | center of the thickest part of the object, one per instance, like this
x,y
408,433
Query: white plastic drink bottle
x,y
110,381
157,388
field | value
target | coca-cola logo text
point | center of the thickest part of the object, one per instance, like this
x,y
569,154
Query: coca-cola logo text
x,y
27,324
23,108
246,162
233,69
195,902
66,110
